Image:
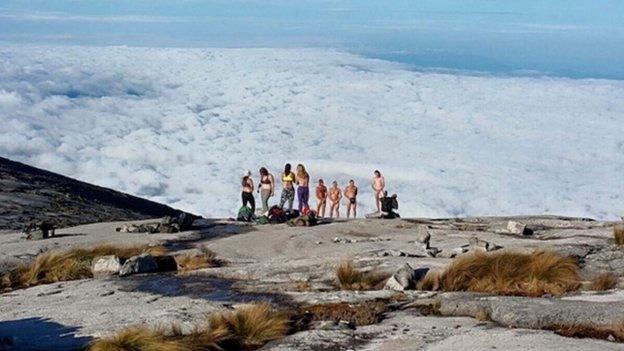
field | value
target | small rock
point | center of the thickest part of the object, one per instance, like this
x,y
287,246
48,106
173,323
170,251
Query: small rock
x,y
319,242
477,244
144,263
405,278
105,266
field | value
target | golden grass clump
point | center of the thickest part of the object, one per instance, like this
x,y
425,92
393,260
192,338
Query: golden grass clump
x,y
618,234
512,273
141,339
247,328
431,281
606,281
190,262
250,327
53,266
605,332
351,278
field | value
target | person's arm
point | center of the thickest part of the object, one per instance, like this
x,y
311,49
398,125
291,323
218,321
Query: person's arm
x,y
383,182
251,184
272,179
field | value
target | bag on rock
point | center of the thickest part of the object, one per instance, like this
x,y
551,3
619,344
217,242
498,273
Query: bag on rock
x,y
245,214
277,215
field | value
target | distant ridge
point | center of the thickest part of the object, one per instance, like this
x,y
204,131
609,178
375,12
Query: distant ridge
x,y
32,194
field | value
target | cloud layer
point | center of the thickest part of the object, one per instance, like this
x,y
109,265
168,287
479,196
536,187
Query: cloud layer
x,y
180,126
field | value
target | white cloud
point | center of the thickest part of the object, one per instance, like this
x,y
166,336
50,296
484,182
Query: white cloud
x,y
179,125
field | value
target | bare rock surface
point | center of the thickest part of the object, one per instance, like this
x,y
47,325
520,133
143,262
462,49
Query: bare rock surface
x,y
275,262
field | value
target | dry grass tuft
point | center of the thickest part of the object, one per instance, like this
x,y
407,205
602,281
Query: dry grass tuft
x,y
351,278
54,266
431,281
141,339
364,313
482,315
618,234
606,281
250,327
190,262
247,328
510,273
612,333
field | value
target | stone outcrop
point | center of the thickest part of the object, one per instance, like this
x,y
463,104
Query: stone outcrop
x,y
105,266
405,278
144,263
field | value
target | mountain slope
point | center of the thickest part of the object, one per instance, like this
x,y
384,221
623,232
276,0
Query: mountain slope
x,y
28,193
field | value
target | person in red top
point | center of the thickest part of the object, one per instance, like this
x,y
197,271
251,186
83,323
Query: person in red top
x,y
321,197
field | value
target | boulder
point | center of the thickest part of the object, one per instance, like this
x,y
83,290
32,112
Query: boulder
x,y
105,266
405,278
144,263
518,228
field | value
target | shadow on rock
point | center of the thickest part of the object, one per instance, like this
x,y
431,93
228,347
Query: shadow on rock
x,y
195,286
37,333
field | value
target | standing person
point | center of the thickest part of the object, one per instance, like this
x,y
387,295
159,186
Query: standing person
x,y
267,188
288,188
378,184
351,192
321,196
335,195
247,193
303,191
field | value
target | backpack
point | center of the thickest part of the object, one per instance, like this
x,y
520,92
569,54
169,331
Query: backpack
x,y
277,215
245,214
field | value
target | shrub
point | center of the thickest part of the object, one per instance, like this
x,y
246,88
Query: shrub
x,y
511,273
604,282
351,278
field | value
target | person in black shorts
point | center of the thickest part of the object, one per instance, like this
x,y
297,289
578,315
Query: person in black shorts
x,y
351,192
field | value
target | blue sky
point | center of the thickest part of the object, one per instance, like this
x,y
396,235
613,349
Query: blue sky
x,y
575,38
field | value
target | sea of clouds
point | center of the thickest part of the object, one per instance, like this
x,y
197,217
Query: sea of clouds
x,y
181,125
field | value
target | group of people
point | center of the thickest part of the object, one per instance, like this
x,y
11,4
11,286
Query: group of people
x,y
298,183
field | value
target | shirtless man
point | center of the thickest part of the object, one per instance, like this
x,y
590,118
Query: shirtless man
x,y
378,185
321,196
351,192
335,195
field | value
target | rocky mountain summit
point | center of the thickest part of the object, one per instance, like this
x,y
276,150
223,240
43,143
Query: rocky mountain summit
x,y
514,283
29,194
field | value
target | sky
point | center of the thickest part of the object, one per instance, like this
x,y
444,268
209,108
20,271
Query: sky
x,y
571,38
